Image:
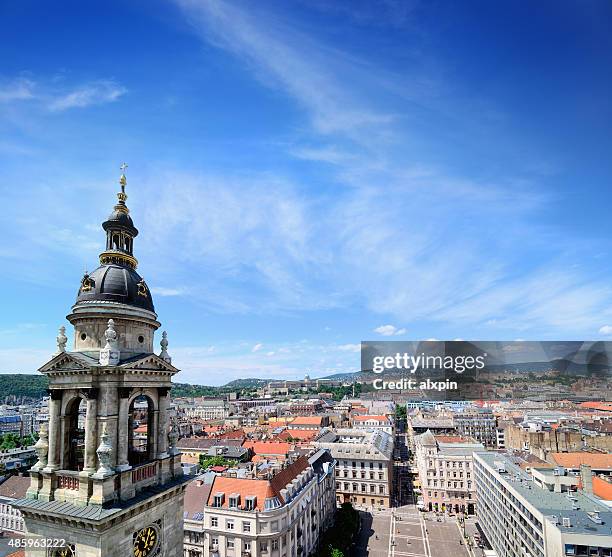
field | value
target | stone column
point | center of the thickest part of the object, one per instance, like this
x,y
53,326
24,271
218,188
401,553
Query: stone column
x,y
55,404
124,430
162,427
91,433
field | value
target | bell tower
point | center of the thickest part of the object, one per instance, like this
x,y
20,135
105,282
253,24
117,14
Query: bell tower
x,y
108,481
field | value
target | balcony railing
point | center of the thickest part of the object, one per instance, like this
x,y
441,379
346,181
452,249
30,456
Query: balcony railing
x,y
68,482
144,472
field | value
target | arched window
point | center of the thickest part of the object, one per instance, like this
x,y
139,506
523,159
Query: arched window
x,y
140,431
74,447
116,241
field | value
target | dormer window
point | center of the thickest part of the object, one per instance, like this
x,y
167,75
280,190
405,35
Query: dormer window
x,y
234,501
218,499
250,503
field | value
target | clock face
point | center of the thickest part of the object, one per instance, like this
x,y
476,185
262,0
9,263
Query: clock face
x,y
145,541
67,551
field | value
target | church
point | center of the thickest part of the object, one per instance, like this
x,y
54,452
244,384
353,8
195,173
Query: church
x,y
108,481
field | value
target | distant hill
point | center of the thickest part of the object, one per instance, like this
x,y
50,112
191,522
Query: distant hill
x,y
248,383
21,385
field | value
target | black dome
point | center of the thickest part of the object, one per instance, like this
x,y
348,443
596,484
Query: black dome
x,y
121,219
115,283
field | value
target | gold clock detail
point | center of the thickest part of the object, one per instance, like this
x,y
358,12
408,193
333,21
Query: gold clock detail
x,y
145,541
66,551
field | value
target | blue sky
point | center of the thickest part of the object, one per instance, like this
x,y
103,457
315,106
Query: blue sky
x,y
306,175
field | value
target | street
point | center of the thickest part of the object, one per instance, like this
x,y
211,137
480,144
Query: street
x,y
404,532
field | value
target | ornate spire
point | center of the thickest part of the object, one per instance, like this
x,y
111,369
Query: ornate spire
x,y
122,196
109,355
164,348
104,452
120,231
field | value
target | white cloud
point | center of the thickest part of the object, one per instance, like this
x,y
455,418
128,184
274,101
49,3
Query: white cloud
x,y
17,90
257,347
95,92
163,291
606,330
56,95
349,347
389,330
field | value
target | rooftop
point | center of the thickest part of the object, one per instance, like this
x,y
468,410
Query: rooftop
x,y
598,461
575,505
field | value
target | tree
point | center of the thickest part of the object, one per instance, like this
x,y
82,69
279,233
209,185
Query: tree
x,y
209,461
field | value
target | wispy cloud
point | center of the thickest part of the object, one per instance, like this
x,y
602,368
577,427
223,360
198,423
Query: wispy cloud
x,y
56,95
93,93
165,292
409,234
18,89
389,330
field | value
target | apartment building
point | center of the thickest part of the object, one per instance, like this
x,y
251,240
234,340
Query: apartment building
x,y
527,515
207,409
383,423
364,465
279,516
445,470
479,425
14,487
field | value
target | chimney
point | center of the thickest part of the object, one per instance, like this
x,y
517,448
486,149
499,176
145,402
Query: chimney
x,y
587,478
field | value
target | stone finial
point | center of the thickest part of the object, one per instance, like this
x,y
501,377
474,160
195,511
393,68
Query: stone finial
x,y
62,339
164,348
173,436
104,452
42,447
109,355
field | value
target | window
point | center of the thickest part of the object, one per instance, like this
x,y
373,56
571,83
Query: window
x,y
214,522
229,524
246,526
381,489
218,500
234,501
263,547
250,503
247,546
274,544
214,542
230,544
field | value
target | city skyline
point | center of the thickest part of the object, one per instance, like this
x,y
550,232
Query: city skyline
x,y
307,176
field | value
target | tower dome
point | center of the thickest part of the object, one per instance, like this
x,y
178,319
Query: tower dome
x,y
115,290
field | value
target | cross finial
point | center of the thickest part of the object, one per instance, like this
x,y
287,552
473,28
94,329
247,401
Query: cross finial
x,y
123,180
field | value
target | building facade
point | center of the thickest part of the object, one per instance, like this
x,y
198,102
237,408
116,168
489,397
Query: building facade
x,y
94,486
523,516
446,474
364,466
282,516
481,426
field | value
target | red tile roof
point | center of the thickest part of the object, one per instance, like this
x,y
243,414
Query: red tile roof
x,y
301,434
307,420
268,447
15,487
365,418
574,460
602,488
196,496
450,439
261,489
18,553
